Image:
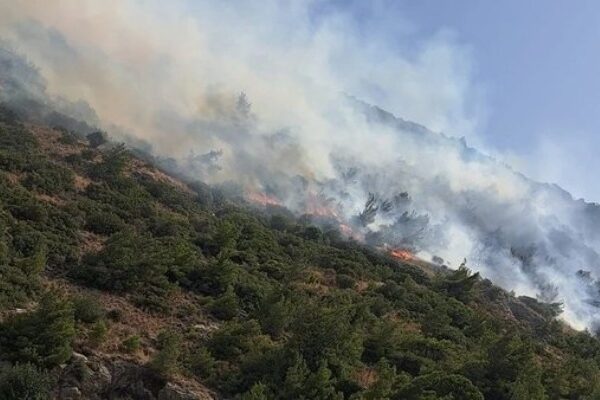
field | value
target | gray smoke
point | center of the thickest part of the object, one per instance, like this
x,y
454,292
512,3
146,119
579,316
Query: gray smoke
x,y
227,101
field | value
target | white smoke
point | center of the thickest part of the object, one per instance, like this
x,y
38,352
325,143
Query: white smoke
x,y
172,75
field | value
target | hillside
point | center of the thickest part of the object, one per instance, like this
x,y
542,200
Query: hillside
x,y
118,280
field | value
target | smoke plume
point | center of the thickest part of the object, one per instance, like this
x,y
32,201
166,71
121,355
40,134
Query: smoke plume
x,y
281,100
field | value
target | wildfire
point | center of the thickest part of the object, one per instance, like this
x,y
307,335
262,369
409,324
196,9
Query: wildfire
x,y
317,205
401,254
261,198
346,230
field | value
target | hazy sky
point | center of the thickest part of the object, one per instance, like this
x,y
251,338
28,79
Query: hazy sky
x,y
539,64
536,67
517,78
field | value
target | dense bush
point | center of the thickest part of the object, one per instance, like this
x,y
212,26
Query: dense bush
x,y
87,309
42,336
104,223
167,360
25,382
297,312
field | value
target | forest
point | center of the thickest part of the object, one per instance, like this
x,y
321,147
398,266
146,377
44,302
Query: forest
x,y
103,253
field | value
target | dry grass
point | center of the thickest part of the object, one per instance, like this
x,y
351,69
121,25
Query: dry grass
x,y
91,242
49,141
365,377
81,183
140,167
134,321
54,200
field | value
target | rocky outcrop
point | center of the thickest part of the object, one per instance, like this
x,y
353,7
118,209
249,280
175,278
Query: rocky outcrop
x,y
96,378
173,391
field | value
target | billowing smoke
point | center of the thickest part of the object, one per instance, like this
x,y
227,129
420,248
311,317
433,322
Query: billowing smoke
x,y
278,100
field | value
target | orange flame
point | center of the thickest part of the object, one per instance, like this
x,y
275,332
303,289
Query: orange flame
x,y
316,205
402,254
261,198
346,230
349,232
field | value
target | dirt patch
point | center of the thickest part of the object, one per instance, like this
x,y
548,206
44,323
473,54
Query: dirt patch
x,y
13,178
91,242
50,141
142,168
135,321
54,200
81,183
365,377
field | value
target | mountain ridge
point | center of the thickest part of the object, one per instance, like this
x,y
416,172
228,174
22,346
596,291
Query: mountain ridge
x,y
175,288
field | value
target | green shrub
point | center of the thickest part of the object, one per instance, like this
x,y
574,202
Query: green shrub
x,y
202,363
226,306
104,223
97,139
87,309
25,382
49,178
42,336
167,360
98,333
131,344
345,281
258,391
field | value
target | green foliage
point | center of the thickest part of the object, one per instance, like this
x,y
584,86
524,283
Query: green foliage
x,y
43,336
202,363
275,314
20,277
49,178
104,223
112,165
445,386
528,385
460,284
325,333
294,322
87,309
302,383
383,388
98,333
97,138
131,344
18,147
226,306
139,263
167,360
25,382
259,391
345,281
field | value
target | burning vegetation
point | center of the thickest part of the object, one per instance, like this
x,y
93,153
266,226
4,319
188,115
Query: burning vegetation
x,y
261,198
403,255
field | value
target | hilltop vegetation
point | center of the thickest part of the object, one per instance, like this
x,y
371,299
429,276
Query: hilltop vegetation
x,y
103,253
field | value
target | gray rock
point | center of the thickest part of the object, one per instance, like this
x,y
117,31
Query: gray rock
x,y
70,393
79,357
172,391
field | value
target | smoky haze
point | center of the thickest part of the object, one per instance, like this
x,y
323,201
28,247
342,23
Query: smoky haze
x,y
290,118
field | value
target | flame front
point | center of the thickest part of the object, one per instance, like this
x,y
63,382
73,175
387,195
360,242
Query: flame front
x,y
261,198
318,206
402,254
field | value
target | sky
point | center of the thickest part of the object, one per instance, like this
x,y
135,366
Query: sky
x,y
538,64
533,97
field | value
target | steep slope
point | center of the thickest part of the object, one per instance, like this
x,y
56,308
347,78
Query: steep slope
x,y
170,289
385,181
